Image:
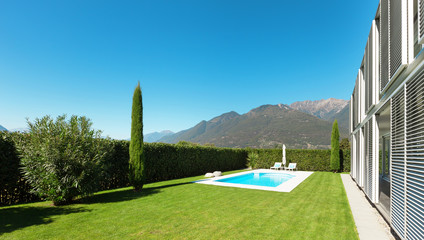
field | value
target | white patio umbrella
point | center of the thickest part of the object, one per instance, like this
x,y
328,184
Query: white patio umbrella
x,y
284,155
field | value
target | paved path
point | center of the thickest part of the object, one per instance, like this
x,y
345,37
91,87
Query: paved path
x,y
369,222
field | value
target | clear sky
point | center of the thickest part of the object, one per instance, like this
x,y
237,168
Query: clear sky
x,y
195,59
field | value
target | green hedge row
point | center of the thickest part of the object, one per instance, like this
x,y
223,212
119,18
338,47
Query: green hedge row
x,y
307,160
163,162
170,161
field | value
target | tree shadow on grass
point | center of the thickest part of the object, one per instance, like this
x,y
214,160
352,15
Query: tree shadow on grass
x,y
126,195
15,218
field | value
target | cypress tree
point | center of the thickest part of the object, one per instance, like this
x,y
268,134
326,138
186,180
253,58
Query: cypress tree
x,y
335,148
137,171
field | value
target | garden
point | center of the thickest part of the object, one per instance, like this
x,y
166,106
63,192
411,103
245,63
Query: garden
x,y
170,205
63,180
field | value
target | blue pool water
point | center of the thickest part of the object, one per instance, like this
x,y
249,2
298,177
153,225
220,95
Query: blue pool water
x,y
259,179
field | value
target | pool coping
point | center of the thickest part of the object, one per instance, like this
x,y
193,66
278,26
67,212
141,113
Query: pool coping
x,y
287,186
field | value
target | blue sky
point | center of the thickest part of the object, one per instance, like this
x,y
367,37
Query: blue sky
x,y
195,59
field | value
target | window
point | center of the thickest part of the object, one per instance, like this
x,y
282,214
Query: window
x,y
417,46
385,159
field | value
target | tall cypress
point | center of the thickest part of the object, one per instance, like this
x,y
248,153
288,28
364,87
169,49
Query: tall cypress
x,y
137,167
335,148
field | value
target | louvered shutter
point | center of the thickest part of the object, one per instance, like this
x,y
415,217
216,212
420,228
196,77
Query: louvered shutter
x,y
367,76
362,91
362,166
397,199
421,21
366,156
370,77
358,154
394,42
384,44
415,158
353,158
370,159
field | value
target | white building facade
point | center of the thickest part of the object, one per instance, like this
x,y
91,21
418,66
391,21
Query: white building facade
x,y
387,117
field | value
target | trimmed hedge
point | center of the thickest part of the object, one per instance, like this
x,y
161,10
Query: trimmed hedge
x,y
306,159
345,160
115,167
168,161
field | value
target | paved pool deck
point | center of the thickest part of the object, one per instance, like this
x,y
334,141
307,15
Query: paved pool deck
x,y
369,222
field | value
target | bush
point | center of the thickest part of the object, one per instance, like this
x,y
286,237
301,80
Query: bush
x,y
252,159
62,159
14,188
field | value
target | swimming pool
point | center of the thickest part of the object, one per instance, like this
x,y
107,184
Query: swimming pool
x,y
261,179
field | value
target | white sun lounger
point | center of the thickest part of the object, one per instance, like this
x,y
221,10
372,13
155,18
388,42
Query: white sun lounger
x,y
292,166
276,166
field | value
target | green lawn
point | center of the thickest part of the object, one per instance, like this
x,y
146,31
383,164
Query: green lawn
x,y
178,209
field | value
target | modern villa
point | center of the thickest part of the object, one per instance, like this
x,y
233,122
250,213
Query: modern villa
x,y
387,117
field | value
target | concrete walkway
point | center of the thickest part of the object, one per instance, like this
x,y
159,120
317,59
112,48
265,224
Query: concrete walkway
x,y
369,222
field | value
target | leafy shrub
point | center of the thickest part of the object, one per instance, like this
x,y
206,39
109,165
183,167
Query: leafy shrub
x,y
252,159
13,187
62,159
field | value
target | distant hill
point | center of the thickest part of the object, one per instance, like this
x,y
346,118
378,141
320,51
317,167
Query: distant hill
x,y
2,128
217,124
153,137
263,127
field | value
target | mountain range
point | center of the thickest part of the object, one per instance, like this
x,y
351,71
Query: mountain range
x,y
325,108
2,128
305,124
155,136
